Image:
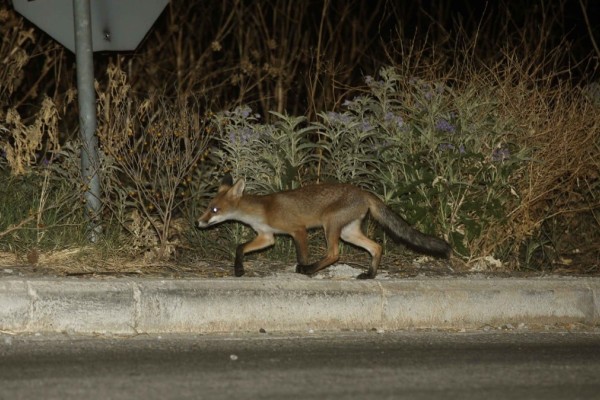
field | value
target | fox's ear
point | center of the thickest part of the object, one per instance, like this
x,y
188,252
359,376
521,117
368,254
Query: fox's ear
x,y
226,183
227,180
238,188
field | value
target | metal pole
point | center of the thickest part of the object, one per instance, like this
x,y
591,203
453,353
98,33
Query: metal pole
x,y
87,115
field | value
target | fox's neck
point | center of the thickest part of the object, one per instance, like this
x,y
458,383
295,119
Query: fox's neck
x,y
253,200
252,210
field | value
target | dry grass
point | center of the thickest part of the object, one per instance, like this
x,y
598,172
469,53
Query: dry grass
x,y
558,186
89,261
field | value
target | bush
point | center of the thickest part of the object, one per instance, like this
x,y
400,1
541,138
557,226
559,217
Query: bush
x,y
440,156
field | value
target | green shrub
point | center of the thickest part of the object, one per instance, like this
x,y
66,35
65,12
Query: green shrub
x,y
441,156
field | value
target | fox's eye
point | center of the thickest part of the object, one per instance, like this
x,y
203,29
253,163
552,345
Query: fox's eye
x,y
214,210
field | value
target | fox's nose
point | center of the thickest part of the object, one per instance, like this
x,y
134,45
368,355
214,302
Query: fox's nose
x,y
201,223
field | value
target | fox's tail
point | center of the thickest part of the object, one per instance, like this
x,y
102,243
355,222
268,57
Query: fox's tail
x,y
401,230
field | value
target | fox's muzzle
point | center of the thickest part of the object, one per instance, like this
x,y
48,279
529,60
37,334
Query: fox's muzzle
x,y
209,218
203,221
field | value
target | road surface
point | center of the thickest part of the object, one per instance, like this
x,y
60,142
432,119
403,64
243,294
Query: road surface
x,y
347,365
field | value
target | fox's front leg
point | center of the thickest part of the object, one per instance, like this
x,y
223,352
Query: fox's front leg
x,y
238,265
262,241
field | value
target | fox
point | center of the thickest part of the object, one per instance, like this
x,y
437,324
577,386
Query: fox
x,y
338,208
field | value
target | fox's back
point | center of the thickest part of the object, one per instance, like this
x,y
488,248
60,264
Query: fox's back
x,y
312,197
311,204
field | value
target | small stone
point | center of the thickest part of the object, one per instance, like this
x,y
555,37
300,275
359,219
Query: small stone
x,y
233,357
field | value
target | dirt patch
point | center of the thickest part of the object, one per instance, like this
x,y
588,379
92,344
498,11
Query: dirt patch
x,y
87,263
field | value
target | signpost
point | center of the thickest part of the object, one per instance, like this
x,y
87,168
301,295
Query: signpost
x,y
85,26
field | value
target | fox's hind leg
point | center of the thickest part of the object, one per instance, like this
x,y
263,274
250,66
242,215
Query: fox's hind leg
x,y
352,233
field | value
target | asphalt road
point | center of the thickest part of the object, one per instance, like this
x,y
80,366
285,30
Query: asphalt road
x,y
411,365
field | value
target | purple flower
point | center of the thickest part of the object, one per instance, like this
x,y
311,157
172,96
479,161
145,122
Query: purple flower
x,y
339,118
371,82
500,154
242,111
242,136
450,146
366,126
445,126
445,146
390,117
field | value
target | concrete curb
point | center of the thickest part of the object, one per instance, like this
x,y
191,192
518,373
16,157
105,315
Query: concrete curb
x,y
133,306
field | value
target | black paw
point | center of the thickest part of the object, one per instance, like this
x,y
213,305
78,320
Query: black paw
x,y
304,269
366,275
239,272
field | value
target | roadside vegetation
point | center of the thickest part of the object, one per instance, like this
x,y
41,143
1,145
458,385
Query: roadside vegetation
x,y
485,132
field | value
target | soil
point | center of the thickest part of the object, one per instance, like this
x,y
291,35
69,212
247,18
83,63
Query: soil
x,y
73,264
